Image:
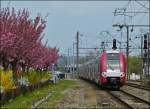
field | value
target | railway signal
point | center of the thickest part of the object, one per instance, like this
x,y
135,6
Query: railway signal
x,y
145,41
114,44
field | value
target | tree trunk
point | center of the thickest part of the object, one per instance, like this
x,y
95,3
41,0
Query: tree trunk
x,y
4,63
14,68
23,67
27,68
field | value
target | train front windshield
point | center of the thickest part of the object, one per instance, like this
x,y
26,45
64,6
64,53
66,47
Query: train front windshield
x,y
113,61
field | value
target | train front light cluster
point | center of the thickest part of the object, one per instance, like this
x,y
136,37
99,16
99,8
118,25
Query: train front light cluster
x,y
122,74
104,74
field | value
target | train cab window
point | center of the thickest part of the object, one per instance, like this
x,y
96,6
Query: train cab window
x,y
112,56
113,62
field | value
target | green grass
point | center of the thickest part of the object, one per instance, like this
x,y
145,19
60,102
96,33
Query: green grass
x,y
52,101
26,100
57,94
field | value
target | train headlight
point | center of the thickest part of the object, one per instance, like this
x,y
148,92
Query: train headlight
x,y
122,74
104,74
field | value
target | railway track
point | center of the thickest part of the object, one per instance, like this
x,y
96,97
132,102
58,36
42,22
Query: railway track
x,y
122,99
138,86
131,101
106,101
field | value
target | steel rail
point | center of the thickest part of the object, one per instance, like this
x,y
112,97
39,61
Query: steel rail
x,y
123,102
147,102
138,86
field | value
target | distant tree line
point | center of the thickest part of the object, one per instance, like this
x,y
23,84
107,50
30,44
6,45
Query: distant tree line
x,y
135,64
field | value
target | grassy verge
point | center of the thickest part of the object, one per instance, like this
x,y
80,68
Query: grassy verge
x,y
26,100
58,93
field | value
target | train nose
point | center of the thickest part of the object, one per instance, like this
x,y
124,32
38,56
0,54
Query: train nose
x,y
113,73
113,80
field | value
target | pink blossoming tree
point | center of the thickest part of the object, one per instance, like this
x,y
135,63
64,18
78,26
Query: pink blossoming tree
x,y
20,41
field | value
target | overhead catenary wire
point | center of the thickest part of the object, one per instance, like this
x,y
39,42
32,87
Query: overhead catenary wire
x,y
139,10
132,13
127,4
141,4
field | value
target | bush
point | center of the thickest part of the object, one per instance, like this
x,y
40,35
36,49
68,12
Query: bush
x,y
23,81
28,78
33,76
36,76
135,64
45,75
6,81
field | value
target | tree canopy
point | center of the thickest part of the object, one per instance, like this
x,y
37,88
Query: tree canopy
x,y
21,40
135,64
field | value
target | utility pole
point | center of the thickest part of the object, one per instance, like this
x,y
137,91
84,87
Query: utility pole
x,y
149,52
73,58
142,46
142,56
127,52
121,41
149,45
68,57
77,50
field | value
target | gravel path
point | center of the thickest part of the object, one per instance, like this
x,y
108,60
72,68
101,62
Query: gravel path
x,y
82,95
87,95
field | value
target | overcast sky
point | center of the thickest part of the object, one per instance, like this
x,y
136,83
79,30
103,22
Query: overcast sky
x,y
88,17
